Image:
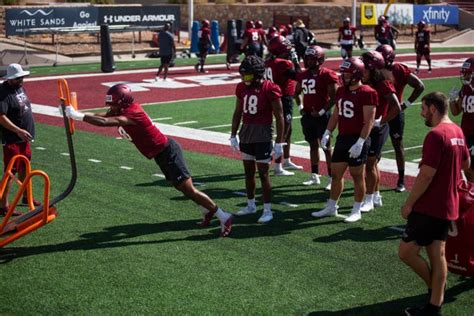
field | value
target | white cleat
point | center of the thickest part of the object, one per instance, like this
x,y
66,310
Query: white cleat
x,y
246,211
328,187
291,166
266,217
367,207
313,179
400,188
378,201
283,172
354,217
327,211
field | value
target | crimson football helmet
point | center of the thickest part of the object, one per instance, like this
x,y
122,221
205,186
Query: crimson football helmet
x,y
258,24
467,71
382,20
421,25
388,53
205,23
249,25
279,45
353,67
314,57
373,60
119,95
252,69
346,21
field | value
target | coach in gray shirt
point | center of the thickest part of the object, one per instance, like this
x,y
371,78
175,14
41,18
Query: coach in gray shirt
x,y
167,50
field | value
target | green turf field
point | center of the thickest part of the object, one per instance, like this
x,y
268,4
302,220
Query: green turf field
x,y
127,243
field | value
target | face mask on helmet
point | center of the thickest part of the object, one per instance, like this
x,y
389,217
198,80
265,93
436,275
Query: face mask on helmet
x,y
351,71
466,72
119,95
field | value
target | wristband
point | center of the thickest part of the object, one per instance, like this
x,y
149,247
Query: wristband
x,y
321,113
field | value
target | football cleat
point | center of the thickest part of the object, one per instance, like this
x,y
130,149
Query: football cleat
x,y
313,179
327,211
247,210
328,186
378,201
400,188
354,217
291,166
367,206
196,67
266,217
206,220
4,211
283,172
226,227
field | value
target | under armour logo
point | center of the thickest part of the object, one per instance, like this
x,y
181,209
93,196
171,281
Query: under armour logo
x,y
108,19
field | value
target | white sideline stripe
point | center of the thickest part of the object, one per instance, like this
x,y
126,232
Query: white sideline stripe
x,y
407,148
161,119
186,123
385,165
40,148
65,154
158,175
398,229
240,193
94,160
126,168
216,126
289,204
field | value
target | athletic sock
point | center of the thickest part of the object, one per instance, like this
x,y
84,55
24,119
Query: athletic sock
x,y
221,215
267,207
356,206
332,203
251,203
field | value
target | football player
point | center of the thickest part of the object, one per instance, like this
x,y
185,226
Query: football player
x,y
251,40
318,85
347,38
204,43
463,102
281,71
422,45
353,115
135,125
385,33
258,101
402,76
263,35
388,107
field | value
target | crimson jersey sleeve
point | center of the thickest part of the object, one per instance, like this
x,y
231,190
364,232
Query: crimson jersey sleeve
x,y
383,89
277,71
400,72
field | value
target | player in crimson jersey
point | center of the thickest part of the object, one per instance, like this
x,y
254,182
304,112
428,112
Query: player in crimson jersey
x,y
347,38
402,76
463,102
135,125
353,115
318,85
433,201
252,40
281,71
263,35
388,107
258,101
422,45
204,43
385,33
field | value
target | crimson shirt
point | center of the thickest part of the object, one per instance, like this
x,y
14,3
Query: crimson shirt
x,y
422,38
400,72
350,105
144,135
444,149
467,98
204,35
253,36
277,71
315,88
383,88
347,33
383,31
257,102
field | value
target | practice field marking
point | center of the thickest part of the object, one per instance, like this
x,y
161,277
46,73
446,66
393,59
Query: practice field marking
x,y
289,204
185,123
239,193
40,148
216,126
341,216
126,167
296,117
159,175
94,160
65,154
406,148
416,160
161,119
300,142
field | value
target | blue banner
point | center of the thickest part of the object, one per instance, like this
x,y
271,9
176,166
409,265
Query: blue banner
x,y
439,14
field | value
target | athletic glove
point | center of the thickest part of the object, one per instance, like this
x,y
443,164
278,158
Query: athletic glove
x,y
234,143
356,149
325,139
73,114
278,150
453,94
377,122
405,104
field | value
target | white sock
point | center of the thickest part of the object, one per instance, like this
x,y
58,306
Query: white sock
x,y
377,194
332,203
267,207
278,167
221,215
369,198
287,160
251,203
356,206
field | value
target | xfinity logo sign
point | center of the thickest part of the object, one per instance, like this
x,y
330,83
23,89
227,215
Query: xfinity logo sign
x,y
436,14
431,14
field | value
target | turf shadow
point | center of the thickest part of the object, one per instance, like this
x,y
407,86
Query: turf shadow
x,y
397,307
361,234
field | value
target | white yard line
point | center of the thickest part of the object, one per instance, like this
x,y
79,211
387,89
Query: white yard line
x,y
185,123
406,148
289,204
216,126
94,160
162,119
126,168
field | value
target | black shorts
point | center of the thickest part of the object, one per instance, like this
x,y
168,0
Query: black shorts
x,y
252,49
470,147
166,59
347,48
341,150
378,137
172,163
314,127
287,102
203,48
424,229
260,152
384,41
397,125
